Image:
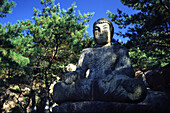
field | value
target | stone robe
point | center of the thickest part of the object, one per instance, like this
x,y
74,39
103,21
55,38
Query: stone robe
x,y
111,78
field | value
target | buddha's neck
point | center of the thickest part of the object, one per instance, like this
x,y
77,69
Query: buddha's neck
x,y
108,44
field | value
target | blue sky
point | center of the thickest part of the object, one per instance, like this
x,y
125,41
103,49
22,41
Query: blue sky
x,y
24,10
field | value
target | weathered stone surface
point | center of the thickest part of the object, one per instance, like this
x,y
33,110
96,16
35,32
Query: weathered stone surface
x,y
120,89
110,78
13,95
159,79
98,106
154,102
69,68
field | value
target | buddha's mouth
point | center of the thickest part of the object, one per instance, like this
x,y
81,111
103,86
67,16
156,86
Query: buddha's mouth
x,y
102,36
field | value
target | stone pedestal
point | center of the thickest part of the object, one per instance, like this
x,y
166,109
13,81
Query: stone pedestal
x,y
99,106
154,102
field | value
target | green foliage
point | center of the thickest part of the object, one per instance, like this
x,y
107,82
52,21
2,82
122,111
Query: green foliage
x,y
57,34
149,30
34,52
141,61
14,47
6,7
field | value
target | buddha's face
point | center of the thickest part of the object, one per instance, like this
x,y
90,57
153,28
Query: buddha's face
x,y
102,33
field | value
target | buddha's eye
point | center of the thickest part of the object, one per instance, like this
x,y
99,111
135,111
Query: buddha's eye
x,y
105,27
97,29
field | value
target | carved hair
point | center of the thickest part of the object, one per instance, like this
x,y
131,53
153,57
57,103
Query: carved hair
x,y
104,20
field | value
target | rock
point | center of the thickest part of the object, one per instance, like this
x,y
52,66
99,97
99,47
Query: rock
x,y
120,89
97,106
14,96
159,79
155,98
72,67
52,85
103,72
154,102
69,68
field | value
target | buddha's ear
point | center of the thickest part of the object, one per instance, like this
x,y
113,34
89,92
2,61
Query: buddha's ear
x,y
94,38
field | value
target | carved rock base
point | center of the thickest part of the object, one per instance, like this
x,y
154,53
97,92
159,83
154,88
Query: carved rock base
x,y
154,102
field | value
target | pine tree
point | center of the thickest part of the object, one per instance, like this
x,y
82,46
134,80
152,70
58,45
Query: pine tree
x,y
6,7
34,52
11,40
57,36
13,55
149,31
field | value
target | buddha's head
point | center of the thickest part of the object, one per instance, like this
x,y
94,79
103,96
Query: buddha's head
x,y
103,31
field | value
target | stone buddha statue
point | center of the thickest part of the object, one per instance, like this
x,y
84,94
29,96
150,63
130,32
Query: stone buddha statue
x,y
111,76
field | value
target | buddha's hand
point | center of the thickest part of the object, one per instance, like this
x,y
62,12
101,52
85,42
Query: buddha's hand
x,y
70,77
108,78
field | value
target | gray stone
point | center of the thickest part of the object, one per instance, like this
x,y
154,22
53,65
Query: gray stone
x,y
159,79
110,78
98,106
155,102
121,86
120,90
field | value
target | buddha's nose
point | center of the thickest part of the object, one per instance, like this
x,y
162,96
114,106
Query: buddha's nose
x,y
101,34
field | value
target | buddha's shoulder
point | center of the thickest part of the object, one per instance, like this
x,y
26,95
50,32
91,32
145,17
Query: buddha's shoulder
x,y
114,47
119,47
87,50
